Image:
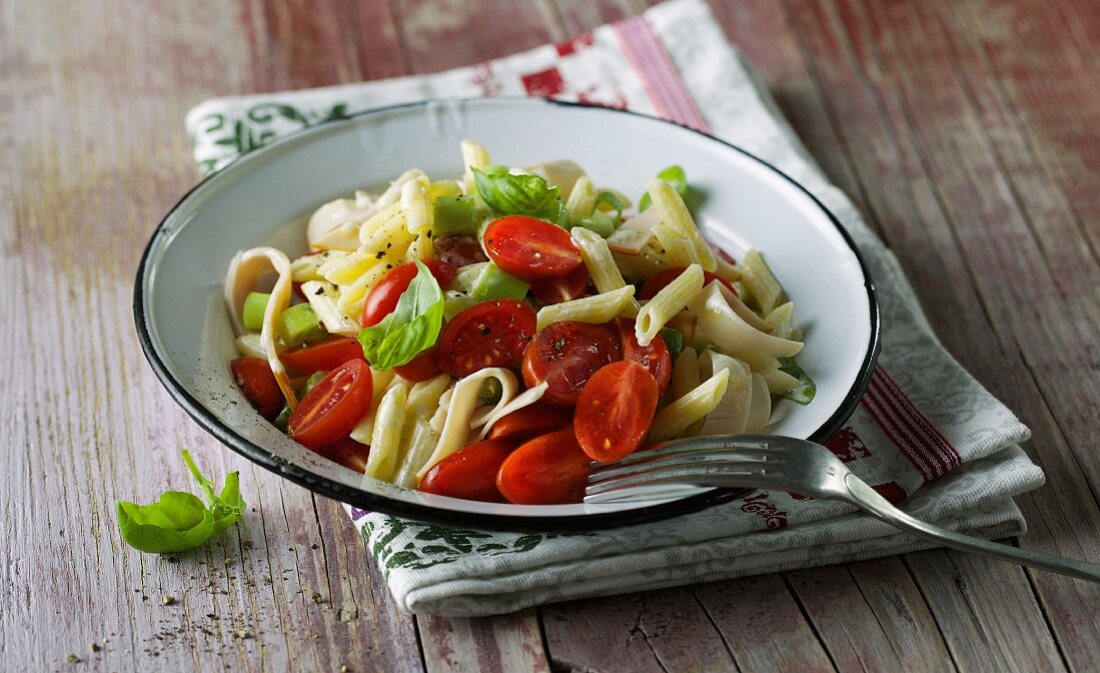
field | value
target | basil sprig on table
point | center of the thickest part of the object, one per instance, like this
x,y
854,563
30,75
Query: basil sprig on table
x,y
180,521
524,194
411,328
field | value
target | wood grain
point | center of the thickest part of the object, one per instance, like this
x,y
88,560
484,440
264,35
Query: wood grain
x,y
969,133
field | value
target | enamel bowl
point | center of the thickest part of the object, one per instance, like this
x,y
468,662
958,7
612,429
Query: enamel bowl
x,y
186,335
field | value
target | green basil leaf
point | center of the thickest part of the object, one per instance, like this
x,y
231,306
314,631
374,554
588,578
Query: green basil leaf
x,y
412,327
806,389
179,521
673,175
530,195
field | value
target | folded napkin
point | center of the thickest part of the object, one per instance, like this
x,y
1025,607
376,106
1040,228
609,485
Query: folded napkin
x,y
925,434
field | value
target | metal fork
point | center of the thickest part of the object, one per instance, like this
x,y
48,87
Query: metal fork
x,y
788,464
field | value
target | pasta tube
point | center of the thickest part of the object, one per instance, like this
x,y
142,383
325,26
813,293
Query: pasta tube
x,y
385,440
601,265
582,200
597,309
676,417
672,299
417,205
676,215
763,288
323,298
473,156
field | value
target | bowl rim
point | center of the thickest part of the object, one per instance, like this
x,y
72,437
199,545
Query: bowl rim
x,y
361,499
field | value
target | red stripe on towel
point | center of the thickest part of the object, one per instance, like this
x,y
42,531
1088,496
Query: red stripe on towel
x,y
662,82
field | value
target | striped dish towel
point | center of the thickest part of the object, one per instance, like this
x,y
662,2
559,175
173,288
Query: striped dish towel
x,y
925,434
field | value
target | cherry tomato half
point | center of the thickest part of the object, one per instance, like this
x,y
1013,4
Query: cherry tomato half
x,y
534,419
420,368
529,248
470,472
489,334
347,452
662,278
323,356
548,470
615,410
655,357
331,410
562,288
459,250
382,300
253,376
565,354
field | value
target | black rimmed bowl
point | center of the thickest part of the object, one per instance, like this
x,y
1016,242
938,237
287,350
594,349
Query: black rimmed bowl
x,y
262,197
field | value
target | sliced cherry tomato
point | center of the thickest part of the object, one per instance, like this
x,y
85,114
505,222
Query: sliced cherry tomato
x,y
548,470
529,248
253,376
654,357
489,334
382,300
459,250
565,354
347,452
662,278
323,356
331,410
615,410
534,419
469,473
562,288
420,368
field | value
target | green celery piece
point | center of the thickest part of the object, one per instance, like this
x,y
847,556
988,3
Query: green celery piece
x,y
806,390
601,223
455,215
254,306
495,283
283,419
674,339
675,176
298,324
613,201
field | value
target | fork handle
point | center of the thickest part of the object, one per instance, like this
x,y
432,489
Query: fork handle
x,y
863,496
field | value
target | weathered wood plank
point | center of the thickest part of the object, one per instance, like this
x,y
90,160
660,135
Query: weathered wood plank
x,y
872,617
506,643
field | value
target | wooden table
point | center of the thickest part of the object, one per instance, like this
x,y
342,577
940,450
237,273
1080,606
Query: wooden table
x,y
969,133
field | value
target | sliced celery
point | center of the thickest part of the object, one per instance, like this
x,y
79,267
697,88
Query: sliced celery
x,y
283,419
601,223
298,324
455,215
254,306
495,283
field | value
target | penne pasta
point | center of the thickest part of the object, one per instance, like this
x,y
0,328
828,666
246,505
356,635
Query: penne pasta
x,y
676,215
385,438
323,297
473,156
694,406
764,289
672,299
601,266
582,200
416,205
596,309
675,249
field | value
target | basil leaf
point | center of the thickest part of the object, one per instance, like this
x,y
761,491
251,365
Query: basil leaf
x,y
614,201
412,327
179,521
530,195
675,176
806,389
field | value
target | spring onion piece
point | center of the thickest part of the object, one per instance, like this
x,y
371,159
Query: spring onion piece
x,y
674,339
806,389
298,324
455,215
614,202
495,283
254,306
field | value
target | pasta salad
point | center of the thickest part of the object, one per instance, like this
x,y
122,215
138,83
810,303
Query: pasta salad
x,y
487,337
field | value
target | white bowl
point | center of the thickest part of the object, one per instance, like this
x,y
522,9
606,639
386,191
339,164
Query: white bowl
x,y
185,333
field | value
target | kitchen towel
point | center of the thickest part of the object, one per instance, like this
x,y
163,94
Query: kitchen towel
x,y
925,434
